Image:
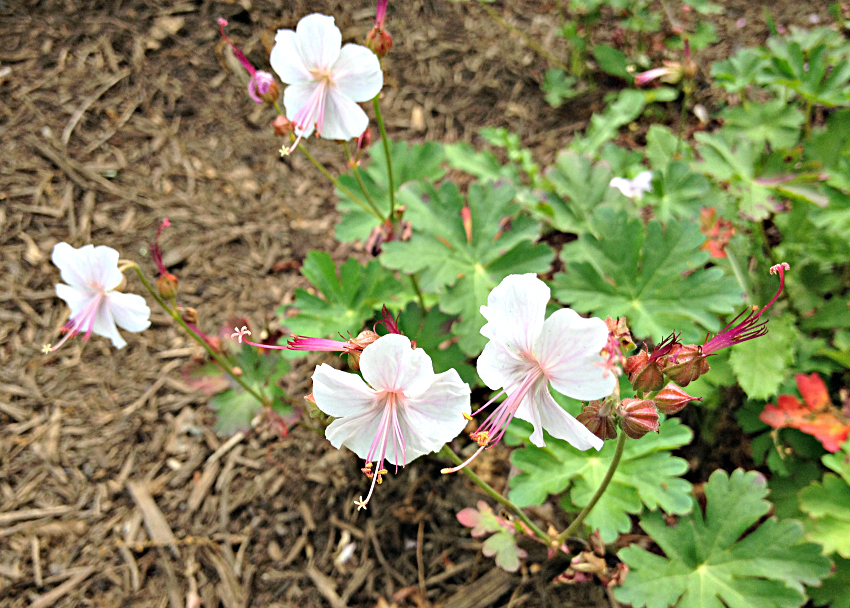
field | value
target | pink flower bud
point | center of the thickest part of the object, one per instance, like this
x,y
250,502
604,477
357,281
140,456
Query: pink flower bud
x,y
282,126
379,41
672,399
638,417
644,372
598,417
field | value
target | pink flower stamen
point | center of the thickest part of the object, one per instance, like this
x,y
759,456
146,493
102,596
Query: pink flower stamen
x,y
156,250
750,328
378,450
83,322
239,54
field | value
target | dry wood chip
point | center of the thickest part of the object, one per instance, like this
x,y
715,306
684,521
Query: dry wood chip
x,y
325,585
202,487
485,591
8,518
51,598
155,522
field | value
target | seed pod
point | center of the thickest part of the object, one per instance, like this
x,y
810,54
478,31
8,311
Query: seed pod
x,y
644,373
672,399
598,417
684,364
638,417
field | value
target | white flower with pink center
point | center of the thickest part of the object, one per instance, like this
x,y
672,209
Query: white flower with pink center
x,y
325,81
92,275
402,411
526,353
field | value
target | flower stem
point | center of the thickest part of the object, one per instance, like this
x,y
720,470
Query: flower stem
x,y
415,282
739,275
492,493
356,170
522,35
618,453
376,103
339,186
225,365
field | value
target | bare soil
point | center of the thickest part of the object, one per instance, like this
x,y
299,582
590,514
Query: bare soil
x,y
114,491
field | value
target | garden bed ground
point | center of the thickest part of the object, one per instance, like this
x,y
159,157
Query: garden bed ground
x,y
117,114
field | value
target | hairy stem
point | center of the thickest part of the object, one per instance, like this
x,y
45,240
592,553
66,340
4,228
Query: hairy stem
x,y
376,103
339,186
492,493
356,170
225,365
618,453
415,282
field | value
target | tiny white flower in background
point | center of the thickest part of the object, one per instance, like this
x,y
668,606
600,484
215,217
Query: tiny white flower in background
x,y
91,276
325,81
634,188
405,410
526,353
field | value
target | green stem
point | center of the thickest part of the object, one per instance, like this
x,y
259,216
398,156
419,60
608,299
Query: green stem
x,y
379,118
415,282
618,453
739,274
356,170
225,365
492,493
525,37
336,183
682,117
807,126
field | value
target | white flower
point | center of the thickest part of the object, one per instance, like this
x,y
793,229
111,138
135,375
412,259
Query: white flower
x,y
634,188
92,275
526,353
325,82
405,410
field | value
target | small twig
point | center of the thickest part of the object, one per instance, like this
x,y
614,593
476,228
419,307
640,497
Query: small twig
x,y
420,563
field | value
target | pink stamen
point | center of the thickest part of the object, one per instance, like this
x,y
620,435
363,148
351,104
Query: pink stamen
x,y
381,14
749,328
378,450
82,322
239,54
317,344
156,250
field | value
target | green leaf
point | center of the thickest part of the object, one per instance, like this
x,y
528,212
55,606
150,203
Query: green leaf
x,y
682,193
839,461
774,122
828,507
663,147
834,590
762,364
612,61
410,163
349,299
648,476
558,87
483,165
604,127
653,275
740,70
503,546
709,563
431,333
580,186
464,271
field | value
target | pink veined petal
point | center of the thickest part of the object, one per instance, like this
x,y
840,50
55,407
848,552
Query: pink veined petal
x,y
340,393
390,364
357,73
344,119
301,98
71,264
543,412
320,41
357,432
435,417
286,58
515,311
501,367
76,298
129,310
102,264
104,325
568,352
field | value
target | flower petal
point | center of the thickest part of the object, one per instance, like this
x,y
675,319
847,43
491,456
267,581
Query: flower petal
x,y
568,352
435,417
544,413
623,185
286,58
129,310
88,266
390,364
357,73
357,432
642,182
298,95
320,41
501,367
515,311
344,119
104,325
76,298
340,393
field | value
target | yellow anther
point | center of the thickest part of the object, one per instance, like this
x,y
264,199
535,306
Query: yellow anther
x,y
467,416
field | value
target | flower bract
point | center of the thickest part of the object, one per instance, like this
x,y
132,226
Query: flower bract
x,y
527,352
325,81
91,277
401,411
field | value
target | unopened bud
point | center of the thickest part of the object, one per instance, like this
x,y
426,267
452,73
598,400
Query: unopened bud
x,y
379,41
311,400
167,285
189,315
236,371
282,126
643,372
364,141
267,88
598,417
638,417
672,399
684,363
